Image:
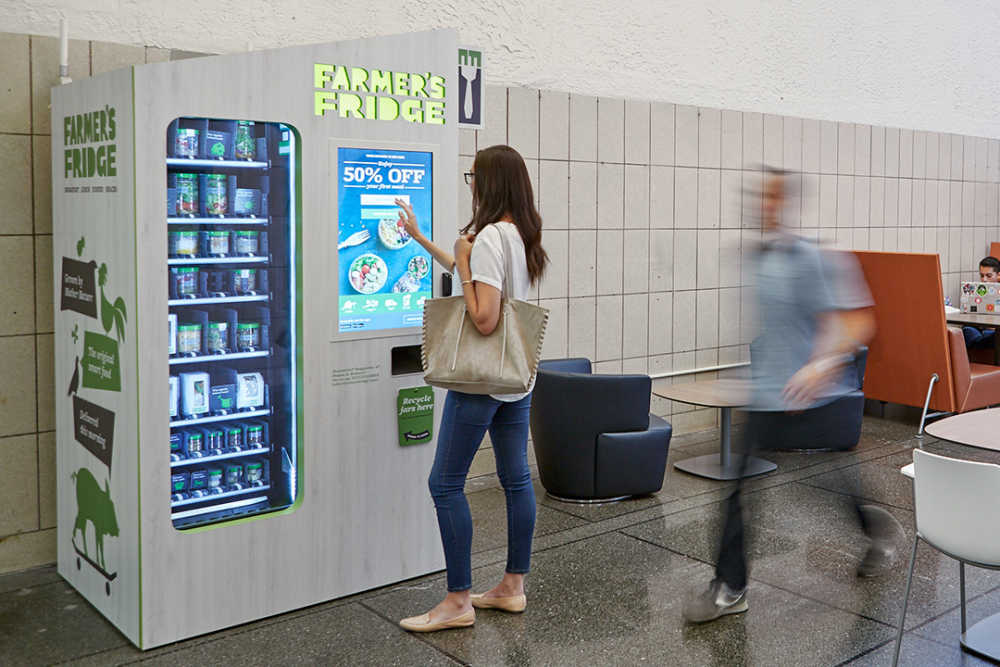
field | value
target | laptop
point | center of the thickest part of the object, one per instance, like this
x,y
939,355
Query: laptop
x,y
983,298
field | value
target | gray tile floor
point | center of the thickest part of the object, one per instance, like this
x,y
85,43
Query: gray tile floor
x,y
607,584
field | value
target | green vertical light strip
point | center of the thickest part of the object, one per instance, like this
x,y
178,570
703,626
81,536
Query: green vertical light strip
x,y
135,319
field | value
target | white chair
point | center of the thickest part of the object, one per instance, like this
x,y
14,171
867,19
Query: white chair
x,y
957,511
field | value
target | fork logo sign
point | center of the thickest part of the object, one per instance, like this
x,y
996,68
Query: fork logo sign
x,y
471,113
374,94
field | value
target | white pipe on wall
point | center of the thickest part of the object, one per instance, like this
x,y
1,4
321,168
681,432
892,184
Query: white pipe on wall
x,y
64,51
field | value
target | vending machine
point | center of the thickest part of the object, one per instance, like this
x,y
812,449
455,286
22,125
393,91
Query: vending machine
x,y
246,429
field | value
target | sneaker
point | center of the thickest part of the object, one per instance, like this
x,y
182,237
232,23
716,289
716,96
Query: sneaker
x,y
884,530
718,600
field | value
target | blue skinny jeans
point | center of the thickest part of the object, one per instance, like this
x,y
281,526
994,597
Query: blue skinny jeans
x,y
467,417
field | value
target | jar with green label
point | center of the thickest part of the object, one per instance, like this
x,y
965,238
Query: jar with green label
x,y
247,243
214,439
255,436
246,144
216,194
245,280
234,437
182,244
186,143
216,243
195,443
189,339
187,194
215,479
218,337
248,335
234,474
254,473
187,281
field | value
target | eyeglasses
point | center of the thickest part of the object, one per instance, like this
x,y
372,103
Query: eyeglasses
x,y
469,175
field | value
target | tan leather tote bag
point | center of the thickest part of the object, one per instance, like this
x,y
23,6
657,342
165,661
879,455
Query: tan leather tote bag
x,y
456,356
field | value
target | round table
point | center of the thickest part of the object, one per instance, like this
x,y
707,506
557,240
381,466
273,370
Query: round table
x,y
979,428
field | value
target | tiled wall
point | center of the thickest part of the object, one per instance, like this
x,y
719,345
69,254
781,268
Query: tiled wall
x,y
647,225
28,69
644,222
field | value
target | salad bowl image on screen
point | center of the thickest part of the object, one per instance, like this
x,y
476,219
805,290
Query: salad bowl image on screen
x,y
385,276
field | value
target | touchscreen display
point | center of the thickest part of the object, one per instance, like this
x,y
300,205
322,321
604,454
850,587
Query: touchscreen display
x,y
385,275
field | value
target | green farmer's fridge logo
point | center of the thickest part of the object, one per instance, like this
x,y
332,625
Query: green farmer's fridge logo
x,y
88,139
371,94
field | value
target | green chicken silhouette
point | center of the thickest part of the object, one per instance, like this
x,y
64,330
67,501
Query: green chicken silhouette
x,y
111,314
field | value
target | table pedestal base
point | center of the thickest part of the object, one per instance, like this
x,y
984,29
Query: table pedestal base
x,y
710,466
983,638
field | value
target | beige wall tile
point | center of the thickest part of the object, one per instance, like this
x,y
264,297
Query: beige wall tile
x,y
45,374
917,203
845,201
661,260
637,132
106,56
464,211
610,254
555,281
933,166
495,131
582,127
582,195
685,321
45,75
15,187
610,196
791,140
583,328
557,330
583,250
636,268
829,147
685,191
553,194
522,121
906,153
553,114
827,201
709,198
968,203
466,143
635,366
15,92
636,196
686,136
944,156
729,319
18,484
635,326
48,509
661,133
732,139
685,259
892,202
708,258
773,141
809,208
919,154
609,328
707,328
878,151
811,146
610,130
731,199
17,385
610,367
19,552
661,317
968,159
661,197
876,202
709,138
845,148
17,299
729,258
41,162
892,151
862,197
931,190
862,149
44,297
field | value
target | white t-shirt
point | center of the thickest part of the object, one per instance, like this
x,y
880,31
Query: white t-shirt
x,y
488,266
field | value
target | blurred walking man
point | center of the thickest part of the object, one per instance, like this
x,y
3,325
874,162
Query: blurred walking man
x,y
814,313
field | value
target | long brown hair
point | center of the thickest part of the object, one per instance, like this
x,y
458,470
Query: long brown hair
x,y
501,187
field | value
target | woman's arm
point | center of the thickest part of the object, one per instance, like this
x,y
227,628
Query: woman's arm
x,y
482,301
409,220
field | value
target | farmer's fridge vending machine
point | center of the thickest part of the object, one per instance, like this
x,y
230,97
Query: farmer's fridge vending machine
x,y
242,423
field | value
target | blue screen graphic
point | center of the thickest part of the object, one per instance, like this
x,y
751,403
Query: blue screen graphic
x,y
385,276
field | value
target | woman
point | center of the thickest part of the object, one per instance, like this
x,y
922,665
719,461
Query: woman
x,y
504,221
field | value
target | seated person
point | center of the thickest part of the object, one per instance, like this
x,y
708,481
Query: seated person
x,y
989,272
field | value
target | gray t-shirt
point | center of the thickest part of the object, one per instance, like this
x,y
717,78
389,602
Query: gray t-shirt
x,y
796,282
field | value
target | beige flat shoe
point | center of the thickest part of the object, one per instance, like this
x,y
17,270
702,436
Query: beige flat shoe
x,y
512,603
423,622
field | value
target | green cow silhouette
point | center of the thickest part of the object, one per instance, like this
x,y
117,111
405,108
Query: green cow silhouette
x,y
94,505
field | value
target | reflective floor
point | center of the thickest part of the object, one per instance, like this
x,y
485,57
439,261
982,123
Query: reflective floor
x,y
607,584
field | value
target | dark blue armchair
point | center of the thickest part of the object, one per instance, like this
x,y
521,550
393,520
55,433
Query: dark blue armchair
x,y
594,438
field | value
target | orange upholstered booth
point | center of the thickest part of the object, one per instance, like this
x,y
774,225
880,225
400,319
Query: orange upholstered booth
x,y
912,344
995,249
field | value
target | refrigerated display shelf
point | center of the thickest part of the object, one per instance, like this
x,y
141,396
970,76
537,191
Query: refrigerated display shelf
x,y
245,502
256,259
218,221
217,299
233,356
216,164
220,457
219,496
249,414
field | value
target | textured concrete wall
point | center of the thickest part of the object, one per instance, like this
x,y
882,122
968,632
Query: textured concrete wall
x,y
922,64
